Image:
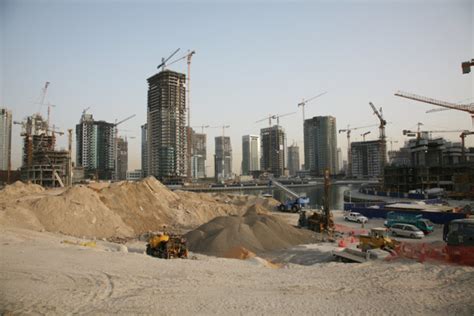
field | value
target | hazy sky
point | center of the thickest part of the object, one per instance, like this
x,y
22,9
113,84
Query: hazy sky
x,y
252,59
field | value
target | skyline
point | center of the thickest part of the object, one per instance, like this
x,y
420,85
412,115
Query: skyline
x,y
251,60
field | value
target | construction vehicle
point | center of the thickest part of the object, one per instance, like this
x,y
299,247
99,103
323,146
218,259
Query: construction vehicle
x,y
295,204
376,239
320,221
459,237
416,220
374,246
167,246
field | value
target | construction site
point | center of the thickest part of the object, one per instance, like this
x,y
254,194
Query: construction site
x,y
104,243
42,163
130,195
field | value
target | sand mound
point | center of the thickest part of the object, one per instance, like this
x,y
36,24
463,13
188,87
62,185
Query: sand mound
x,y
19,188
254,231
122,209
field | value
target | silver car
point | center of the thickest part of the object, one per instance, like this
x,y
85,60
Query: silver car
x,y
406,230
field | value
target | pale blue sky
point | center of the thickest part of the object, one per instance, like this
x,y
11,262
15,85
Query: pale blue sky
x,y
251,59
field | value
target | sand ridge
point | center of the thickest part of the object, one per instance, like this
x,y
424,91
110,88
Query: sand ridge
x,y
121,209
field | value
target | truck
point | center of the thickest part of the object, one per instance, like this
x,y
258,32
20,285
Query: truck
x,y
294,205
459,237
296,201
414,219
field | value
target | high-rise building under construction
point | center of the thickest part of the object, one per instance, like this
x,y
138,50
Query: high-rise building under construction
x,y
320,144
95,147
199,155
223,158
293,159
122,158
144,150
250,154
166,126
5,139
273,150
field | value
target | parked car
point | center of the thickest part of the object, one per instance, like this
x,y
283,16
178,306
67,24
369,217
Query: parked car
x,y
406,230
356,217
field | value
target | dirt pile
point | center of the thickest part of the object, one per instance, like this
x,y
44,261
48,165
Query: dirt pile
x,y
256,231
19,188
122,209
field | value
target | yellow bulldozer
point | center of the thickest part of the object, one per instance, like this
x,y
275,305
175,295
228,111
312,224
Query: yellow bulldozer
x,y
167,246
377,239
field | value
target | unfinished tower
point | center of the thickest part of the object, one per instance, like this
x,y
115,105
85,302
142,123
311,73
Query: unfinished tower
x,y
166,121
95,150
273,147
42,164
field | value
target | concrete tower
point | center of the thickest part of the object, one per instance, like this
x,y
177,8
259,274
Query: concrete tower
x,y
250,154
320,144
166,119
5,138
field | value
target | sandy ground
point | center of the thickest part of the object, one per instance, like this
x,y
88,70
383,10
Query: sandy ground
x,y
41,275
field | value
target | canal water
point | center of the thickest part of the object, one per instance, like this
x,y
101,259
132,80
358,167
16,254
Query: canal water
x,y
315,194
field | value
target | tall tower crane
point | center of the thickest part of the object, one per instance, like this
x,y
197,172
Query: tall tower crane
x,y
164,61
304,102
469,108
383,122
202,127
364,134
463,150
348,134
223,128
274,117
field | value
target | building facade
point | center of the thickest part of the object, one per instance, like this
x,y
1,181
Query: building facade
x,y
199,155
367,159
223,158
122,159
134,175
250,154
95,147
339,166
5,139
320,144
293,160
273,147
167,131
144,150
426,163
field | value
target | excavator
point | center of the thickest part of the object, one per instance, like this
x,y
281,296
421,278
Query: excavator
x,y
167,246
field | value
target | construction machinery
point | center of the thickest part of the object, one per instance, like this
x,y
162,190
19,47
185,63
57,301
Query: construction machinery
x,y
320,221
376,245
364,134
466,66
348,131
459,237
276,117
304,102
295,204
469,108
377,238
167,246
